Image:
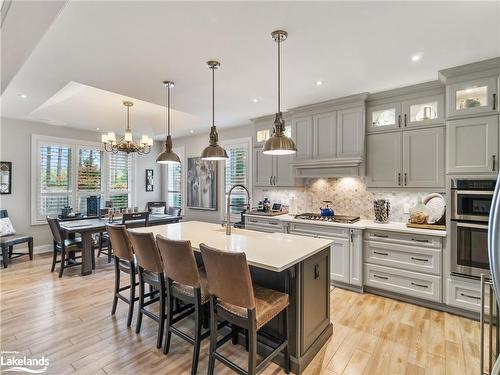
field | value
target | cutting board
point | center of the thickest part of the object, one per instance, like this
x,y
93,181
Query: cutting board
x,y
426,226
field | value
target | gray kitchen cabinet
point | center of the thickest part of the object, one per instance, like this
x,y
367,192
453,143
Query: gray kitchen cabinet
x,y
384,160
302,128
423,111
273,170
324,135
383,117
356,257
473,145
423,158
339,266
471,97
350,133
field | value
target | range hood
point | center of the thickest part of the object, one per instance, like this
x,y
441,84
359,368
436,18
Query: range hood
x,y
338,167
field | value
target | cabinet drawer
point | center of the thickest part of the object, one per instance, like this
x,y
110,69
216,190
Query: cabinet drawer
x,y
403,238
465,295
411,258
404,282
263,224
318,230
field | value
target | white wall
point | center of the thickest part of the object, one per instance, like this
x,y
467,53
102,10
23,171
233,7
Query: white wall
x,y
15,146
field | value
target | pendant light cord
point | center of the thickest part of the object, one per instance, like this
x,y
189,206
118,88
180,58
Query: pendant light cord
x,y
128,117
279,74
213,95
168,109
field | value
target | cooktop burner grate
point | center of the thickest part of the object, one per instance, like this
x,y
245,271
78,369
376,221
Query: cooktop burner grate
x,y
333,219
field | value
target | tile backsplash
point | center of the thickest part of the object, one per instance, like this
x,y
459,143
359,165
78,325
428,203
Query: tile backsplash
x,y
348,194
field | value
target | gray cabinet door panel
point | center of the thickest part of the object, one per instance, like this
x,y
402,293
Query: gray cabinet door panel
x,y
303,137
472,145
283,172
350,132
263,168
384,159
325,135
423,158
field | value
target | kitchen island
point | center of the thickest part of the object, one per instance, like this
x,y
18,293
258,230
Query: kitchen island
x,y
297,265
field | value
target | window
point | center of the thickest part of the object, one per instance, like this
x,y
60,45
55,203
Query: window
x,y
66,172
237,171
174,181
118,182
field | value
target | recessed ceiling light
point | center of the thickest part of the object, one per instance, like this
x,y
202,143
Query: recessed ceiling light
x,y
97,129
191,131
255,100
416,57
22,96
319,83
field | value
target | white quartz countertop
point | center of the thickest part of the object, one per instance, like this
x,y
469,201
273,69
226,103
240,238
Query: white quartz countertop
x,y
361,224
271,251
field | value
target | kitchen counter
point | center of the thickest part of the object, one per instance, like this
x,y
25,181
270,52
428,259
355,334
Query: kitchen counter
x,y
297,265
362,224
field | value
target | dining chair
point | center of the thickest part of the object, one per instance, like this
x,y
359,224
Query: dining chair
x,y
250,307
187,283
124,262
8,241
150,269
67,247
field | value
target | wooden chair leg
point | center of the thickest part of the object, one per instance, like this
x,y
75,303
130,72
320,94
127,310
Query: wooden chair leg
x,y
100,245
93,258
132,295
54,258
110,252
168,323
197,336
141,303
63,261
286,350
161,314
11,250
5,256
30,249
117,286
213,337
252,347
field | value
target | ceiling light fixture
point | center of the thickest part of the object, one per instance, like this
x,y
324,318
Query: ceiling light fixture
x,y
319,83
279,143
168,156
213,151
191,131
127,143
255,100
416,57
22,96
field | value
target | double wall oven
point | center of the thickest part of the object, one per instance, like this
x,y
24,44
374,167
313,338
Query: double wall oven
x,y
470,209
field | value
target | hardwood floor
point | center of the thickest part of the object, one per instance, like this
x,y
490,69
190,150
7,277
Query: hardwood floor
x,y
68,320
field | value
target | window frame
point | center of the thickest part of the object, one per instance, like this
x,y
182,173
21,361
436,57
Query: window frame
x,y
165,192
222,181
75,145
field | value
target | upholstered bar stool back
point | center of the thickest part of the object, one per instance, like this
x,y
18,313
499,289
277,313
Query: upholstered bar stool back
x,y
146,251
179,262
120,241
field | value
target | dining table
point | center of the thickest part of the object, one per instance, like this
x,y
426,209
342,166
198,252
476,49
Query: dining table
x,y
86,227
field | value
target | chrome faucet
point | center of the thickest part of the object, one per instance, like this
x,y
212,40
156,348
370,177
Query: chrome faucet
x,y
229,205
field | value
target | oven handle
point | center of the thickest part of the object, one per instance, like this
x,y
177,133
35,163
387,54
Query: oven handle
x,y
470,225
473,192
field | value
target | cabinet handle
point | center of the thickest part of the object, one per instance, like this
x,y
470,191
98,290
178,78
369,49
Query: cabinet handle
x,y
494,101
381,277
253,221
420,259
420,285
380,235
418,240
399,121
271,223
379,253
494,157
274,180
316,271
469,296
399,179
406,122
406,179
270,180
351,234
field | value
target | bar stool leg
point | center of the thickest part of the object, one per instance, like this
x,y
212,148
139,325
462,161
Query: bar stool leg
x,y
197,332
132,294
161,314
168,333
117,286
286,350
252,344
141,302
213,337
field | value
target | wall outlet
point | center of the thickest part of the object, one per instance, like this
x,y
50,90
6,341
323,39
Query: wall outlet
x,y
406,208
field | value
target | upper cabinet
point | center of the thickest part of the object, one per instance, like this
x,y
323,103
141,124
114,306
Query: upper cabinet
x,y
476,96
415,106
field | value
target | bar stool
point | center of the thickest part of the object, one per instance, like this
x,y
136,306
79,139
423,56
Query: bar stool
x,y
188,284
235,299
124,262
150,272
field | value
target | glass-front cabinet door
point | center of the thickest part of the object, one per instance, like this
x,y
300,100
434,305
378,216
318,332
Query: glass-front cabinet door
x,y
475,96
423,111
384,117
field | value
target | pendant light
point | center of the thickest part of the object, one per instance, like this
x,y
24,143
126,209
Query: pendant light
x,y
279,143
213,151
168,156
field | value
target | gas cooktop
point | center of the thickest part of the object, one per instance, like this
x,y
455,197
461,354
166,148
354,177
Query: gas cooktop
x,y
332,219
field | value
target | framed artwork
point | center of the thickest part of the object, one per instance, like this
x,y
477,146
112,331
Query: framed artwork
x,y
149,180
5,177
201,184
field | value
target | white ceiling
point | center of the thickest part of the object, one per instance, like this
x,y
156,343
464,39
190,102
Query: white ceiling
x,y
128,48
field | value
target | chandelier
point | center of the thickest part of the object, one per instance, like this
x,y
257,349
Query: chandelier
x,y
126,143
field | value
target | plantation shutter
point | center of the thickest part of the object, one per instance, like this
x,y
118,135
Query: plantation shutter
x,y
89,177
174,185
237,173
118,180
